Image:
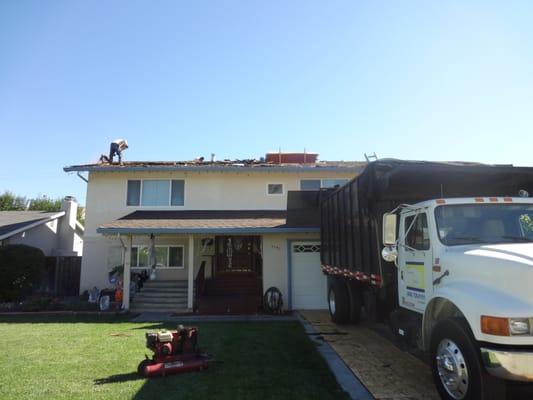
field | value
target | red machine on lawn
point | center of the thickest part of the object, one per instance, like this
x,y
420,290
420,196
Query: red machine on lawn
x,y
174,352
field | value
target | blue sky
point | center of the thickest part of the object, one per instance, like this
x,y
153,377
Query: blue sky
x,y
407,79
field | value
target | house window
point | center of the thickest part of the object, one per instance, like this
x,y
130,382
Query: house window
x,y
166,256
275,188
155,192
310,184
316,184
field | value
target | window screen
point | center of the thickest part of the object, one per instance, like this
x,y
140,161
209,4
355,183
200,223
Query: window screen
x,y
177,195
134,193
155,193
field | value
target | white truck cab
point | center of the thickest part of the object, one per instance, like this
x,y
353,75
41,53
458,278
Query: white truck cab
x,y
465,265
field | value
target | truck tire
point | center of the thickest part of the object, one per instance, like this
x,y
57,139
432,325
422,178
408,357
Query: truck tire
x,y
456,364
338,301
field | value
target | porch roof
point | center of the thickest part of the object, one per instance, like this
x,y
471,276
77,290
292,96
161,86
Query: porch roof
x,y
204,221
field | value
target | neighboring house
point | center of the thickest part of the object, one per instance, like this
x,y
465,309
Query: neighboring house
x,y
55,233
222,227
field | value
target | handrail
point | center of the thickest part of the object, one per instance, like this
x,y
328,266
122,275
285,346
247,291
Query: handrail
x,y
199,285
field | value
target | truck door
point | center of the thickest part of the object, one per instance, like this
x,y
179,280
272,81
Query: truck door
x,y
414,262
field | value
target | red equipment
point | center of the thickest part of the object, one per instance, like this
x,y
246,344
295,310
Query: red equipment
x,y
174,352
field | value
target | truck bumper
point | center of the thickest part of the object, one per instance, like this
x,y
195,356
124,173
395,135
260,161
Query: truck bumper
x,y
510,365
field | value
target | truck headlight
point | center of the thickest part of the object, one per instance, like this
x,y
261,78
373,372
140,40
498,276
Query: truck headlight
x,y
518,326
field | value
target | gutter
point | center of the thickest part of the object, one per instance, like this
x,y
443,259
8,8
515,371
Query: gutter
x,y
160,231
212,168
33,225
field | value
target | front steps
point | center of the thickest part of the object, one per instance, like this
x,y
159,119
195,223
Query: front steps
x,y
161,296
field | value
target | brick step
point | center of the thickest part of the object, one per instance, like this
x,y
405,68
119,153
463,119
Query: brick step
x,y
238,304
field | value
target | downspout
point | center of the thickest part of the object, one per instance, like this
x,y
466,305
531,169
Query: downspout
x,y
82,177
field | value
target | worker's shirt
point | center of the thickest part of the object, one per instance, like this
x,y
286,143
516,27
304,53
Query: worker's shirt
x,y
122,144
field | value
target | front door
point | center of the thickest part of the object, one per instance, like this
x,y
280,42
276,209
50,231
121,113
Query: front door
x,y
238,254
414,262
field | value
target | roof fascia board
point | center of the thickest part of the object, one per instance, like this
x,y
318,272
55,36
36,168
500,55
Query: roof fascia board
x,y
31,226
147,231
192,168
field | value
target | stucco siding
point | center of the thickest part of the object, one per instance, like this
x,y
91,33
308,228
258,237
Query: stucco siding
x,y
42,236
106,192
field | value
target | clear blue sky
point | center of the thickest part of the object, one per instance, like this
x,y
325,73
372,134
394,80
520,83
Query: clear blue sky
x,y
438,80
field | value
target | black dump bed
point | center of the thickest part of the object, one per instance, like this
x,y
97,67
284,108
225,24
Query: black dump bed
x,y
351,216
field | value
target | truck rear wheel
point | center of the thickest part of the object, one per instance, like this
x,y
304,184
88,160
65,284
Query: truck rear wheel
x,y
456,364
338,301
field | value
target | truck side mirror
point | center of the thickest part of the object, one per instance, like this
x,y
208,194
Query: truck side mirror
x,y
389,229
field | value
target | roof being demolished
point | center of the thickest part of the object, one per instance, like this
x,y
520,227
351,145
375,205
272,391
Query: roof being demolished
x,y
225,165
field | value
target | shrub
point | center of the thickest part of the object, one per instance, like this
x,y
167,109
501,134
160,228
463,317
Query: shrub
x,y
20,266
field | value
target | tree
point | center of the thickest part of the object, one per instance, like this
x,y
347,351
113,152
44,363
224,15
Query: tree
x,y
45,204
21,267
10,202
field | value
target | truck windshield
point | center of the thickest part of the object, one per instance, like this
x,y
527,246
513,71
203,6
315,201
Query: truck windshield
x,y
460,224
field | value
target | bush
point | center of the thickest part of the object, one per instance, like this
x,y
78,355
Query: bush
x,y
21,267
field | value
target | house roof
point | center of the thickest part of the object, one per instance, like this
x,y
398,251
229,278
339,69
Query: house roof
x,y
13,222
226,165
203,221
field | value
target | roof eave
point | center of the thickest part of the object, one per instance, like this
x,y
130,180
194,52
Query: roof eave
x,y
193,168
33,225
169,231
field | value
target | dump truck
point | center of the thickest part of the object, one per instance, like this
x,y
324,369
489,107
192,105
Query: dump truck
x,y
443,252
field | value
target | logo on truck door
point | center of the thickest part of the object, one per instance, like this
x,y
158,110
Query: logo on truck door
x,y
415,280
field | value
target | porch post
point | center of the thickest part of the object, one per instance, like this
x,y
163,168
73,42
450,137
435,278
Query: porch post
x,y
127,274
190,276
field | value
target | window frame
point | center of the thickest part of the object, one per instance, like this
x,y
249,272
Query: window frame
x,y
170,180
168,246
275,194
321,183
418,217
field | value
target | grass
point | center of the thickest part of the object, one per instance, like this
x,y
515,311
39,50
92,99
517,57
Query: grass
x,y
77,357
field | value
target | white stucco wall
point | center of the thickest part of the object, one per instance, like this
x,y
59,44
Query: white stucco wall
x,y
106,202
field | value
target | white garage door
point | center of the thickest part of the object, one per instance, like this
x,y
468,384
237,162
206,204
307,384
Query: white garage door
x,y
309,284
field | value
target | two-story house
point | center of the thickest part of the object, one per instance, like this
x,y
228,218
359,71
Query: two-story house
x,y
220,228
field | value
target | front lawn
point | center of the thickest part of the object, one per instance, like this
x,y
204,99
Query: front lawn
x,y
67,358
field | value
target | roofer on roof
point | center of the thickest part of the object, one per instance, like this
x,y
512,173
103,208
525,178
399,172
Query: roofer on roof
x,y
117,147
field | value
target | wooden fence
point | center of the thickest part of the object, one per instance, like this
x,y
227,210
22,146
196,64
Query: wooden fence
x,y
61,276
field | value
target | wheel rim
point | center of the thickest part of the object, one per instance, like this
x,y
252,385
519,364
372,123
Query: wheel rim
x,y
452,369
332,302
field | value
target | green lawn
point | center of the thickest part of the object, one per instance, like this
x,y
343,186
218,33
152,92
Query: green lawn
x,y
78,358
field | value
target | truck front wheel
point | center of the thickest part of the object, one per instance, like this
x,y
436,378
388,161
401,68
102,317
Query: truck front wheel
x,y
456,364
338,301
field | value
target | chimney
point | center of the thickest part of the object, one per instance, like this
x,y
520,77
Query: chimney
x,y
291,158
67,227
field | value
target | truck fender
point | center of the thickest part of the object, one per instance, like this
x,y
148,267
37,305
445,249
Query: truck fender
x,y
469,300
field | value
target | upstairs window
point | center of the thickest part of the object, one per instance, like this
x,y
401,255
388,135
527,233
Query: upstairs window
x,y
316,184
155,192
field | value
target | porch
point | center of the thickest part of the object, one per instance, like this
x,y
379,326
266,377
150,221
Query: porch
x,y
212,260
